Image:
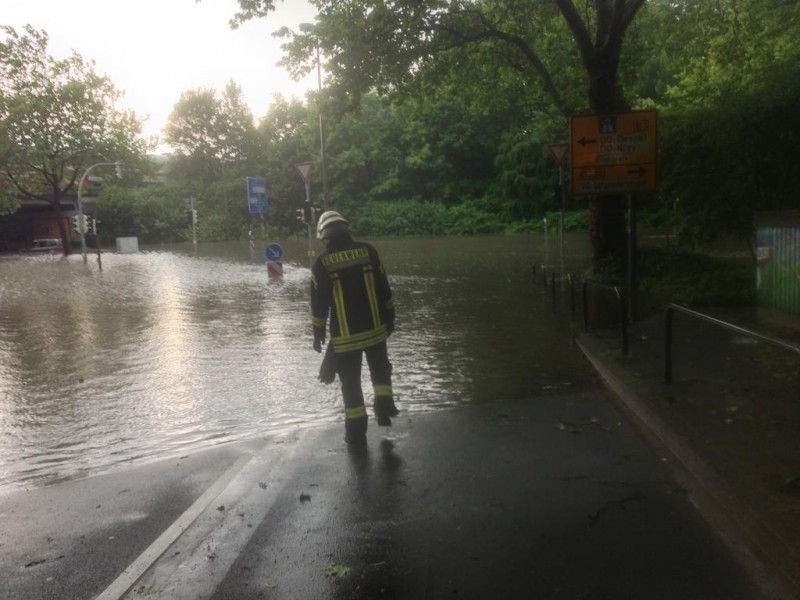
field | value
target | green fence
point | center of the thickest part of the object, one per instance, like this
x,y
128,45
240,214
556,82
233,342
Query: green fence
x,y
778,255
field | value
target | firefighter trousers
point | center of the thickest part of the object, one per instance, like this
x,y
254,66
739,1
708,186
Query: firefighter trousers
x,y
348,366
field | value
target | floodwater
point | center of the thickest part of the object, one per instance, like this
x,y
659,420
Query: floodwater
x,y
171,350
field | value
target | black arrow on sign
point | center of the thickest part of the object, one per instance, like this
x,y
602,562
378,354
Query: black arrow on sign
x,y
583,141
640,171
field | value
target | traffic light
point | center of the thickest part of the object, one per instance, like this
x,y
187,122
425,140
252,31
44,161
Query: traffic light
x,y
307,214
194,216
118,168
79,223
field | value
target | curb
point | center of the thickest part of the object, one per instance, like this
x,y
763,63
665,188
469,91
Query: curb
x,y
768,558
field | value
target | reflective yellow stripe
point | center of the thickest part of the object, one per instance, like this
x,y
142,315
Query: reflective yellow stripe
x,y
355,413
338,302
345,258
382,390
360,340
318,321
372,296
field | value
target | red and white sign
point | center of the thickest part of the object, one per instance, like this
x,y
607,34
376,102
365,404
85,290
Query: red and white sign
x,y
274,268
558,151
304,170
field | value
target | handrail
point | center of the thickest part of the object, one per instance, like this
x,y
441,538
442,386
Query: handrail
x,y
550,286
571,295
730,326
623,316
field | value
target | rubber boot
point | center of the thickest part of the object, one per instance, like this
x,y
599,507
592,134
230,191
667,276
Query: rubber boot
x,y
384,410
355,431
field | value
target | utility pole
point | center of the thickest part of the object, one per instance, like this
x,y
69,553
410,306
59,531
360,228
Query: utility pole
x,y
310,29
81,219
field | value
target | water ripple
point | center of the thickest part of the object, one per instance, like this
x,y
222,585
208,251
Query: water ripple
x,y
164,352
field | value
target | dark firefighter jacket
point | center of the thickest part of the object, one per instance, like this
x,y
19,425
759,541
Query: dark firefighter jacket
x,y
348,281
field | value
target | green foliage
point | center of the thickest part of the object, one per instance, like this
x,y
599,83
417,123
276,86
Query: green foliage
x,y
574,221
210,133
57,118
696,279
155,213
9,201
407,217
437,118
484,215
730,120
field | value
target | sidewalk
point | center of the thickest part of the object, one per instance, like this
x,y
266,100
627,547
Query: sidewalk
x,y
729,424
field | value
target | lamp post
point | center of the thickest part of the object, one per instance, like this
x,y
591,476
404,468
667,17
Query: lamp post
x,y
309,28
81,223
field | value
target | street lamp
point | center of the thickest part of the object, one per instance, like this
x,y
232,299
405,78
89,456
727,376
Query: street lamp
x,y
310,29
81,220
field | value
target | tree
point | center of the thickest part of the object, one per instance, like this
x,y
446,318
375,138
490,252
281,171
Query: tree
x,y
730,114
372,44
215,141
211,130
57,118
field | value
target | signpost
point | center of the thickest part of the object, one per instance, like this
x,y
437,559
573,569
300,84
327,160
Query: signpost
x,y
304,170
274,253
558,151
257,195
614,153
193,213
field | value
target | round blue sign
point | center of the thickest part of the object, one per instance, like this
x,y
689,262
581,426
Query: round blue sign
x,y
274,251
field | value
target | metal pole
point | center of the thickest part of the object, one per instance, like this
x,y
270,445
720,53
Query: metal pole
x,y
81,225
97,241
632,282
321,135
308,226
194,223
80,218
563,202
668,345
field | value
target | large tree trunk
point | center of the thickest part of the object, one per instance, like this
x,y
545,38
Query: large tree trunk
x,y
600,56
608,225
608,231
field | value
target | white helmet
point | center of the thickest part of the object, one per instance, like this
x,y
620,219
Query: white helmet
x,y
326,219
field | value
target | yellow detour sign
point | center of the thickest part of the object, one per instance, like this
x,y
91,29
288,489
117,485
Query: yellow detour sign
x,y
614,153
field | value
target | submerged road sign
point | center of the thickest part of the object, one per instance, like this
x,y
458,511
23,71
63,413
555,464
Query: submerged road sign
x,y
614,153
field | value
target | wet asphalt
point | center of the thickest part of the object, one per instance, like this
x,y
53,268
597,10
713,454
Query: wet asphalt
x,y
555,497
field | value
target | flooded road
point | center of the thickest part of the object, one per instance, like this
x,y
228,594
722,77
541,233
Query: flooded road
x,y
167,350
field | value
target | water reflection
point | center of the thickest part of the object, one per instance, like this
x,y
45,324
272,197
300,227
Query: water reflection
x,y
165,351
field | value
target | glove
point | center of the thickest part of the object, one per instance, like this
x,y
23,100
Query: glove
x,y
327,370
319,339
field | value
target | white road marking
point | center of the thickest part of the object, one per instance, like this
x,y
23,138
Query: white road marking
x,y
137,568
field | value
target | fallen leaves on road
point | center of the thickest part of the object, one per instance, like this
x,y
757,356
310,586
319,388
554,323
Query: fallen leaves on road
x,y
337,570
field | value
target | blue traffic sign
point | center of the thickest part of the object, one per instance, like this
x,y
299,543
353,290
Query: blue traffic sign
x,y
257,194
274,251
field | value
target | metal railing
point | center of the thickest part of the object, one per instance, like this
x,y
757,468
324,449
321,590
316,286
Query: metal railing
x,y
672,308
621,305
585,284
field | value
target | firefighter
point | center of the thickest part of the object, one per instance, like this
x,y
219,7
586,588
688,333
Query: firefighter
x,y
349,282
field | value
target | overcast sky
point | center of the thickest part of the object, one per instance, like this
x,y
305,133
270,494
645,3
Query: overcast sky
x,y
154,50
